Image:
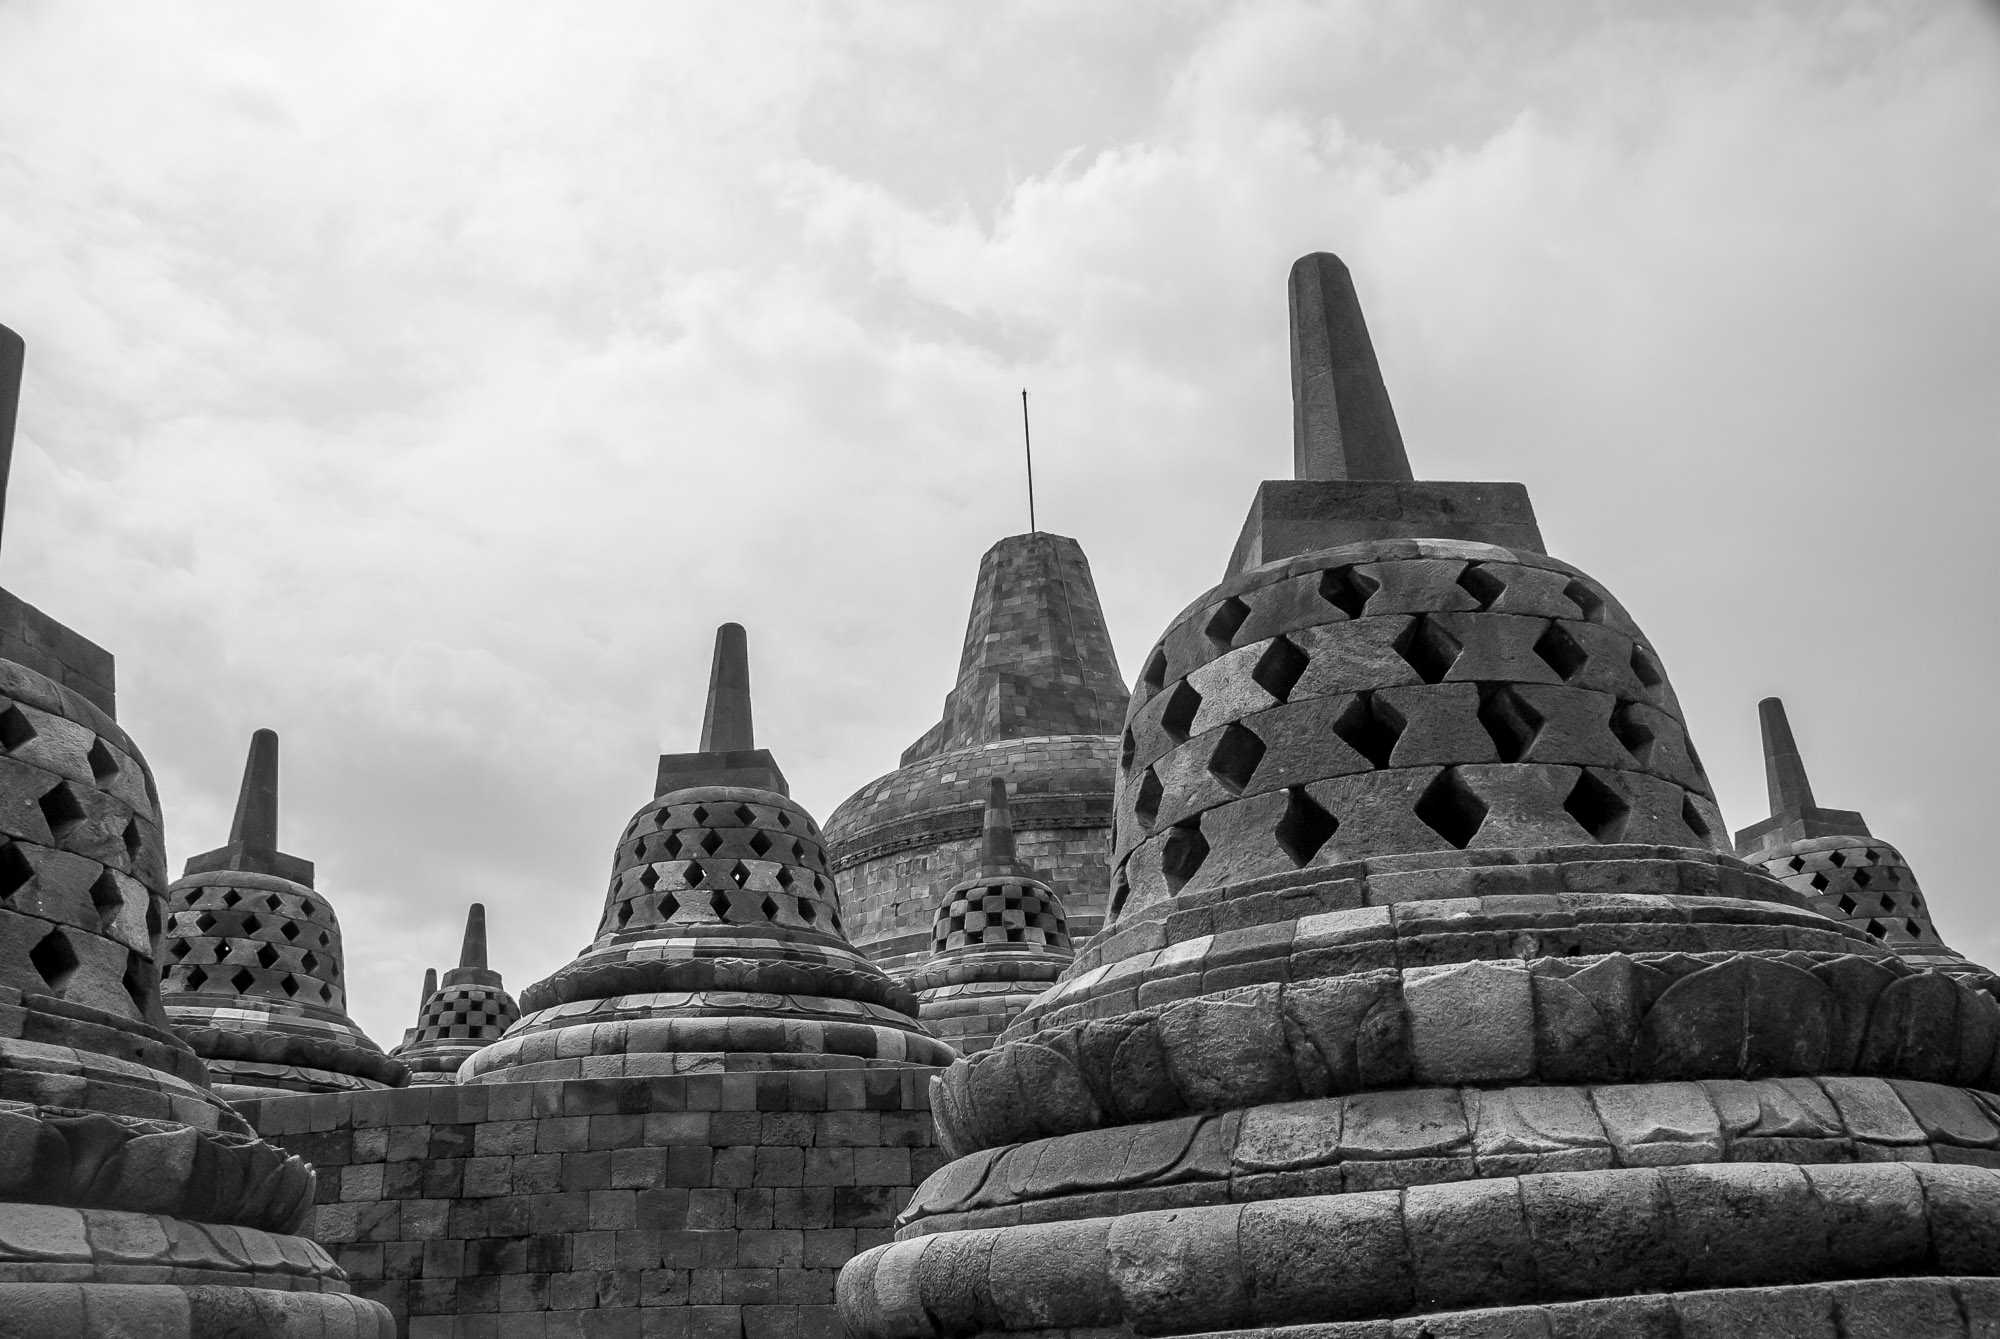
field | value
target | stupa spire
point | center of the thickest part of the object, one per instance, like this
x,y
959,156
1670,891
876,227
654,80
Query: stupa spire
x,y
13,354
1343,426
996,846
256,824
430,987
473,954
725,722
1784,770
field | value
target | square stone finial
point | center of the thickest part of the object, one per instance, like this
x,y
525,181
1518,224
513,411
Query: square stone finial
x,y
1795,815
728,755
253,833
13,356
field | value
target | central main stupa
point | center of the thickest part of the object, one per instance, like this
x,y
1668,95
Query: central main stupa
x,y
1432,1000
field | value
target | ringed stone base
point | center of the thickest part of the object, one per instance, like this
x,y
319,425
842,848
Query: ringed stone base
x,y
168,1311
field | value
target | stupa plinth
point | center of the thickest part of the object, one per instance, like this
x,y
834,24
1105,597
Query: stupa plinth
x,y
1432,1000
998,939
133,1199
468,1013
721,946
255,972
1830,858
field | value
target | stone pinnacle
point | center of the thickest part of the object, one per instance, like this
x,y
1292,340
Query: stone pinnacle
x,y
725,724
430,988
996,847
1784,770
474,953
1343,426
256,825
13,352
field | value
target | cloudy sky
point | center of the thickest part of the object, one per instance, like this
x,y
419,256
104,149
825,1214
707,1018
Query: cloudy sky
x,y
427,382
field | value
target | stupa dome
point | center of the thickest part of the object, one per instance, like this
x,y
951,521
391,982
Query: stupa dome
x,y
468,1012
721,944
255,975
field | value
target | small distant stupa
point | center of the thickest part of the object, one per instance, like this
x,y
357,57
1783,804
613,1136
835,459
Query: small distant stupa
x,y
469,1012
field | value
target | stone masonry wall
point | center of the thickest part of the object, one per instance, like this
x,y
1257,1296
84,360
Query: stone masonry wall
x,y
705,1206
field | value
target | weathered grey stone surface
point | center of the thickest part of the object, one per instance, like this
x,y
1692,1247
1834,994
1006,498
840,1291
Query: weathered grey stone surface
x,y
1039,700
255,973
1431,1000
470,1012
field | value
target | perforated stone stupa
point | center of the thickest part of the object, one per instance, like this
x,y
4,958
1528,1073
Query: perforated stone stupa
x,y
469,1012
1432,1000
255,974
998,939
1038,699
721,946
1829,857
133,1200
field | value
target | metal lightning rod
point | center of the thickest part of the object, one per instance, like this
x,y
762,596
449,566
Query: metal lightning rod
x,y
1028,446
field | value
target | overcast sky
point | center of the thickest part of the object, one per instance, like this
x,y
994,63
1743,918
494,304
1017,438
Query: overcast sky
x,y
427,382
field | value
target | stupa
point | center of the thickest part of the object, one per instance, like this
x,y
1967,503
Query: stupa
x,y
469,1012
255,974
998,939
1432,1000
1829,857
721,947
133,1200
1039,700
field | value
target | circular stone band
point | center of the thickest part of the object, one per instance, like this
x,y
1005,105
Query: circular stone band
x,y
202,1311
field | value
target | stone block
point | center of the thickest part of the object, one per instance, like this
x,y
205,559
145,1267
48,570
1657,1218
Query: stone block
x,y
1471,1022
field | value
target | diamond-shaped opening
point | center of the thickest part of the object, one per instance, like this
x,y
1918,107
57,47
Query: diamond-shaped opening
x,y
1347,590
769,908
1873,856
134,840
195,977
54,960
1646,667
798,852
624,916
1633,732
1235,758
807,912
1183,853
1482,583
659,818
1428,648
1877,929
1279,668
711,842
290,930
324,939
15,870
700,814
811,831
1178,718
243,980
669,904
1695,822
1451,809
290,984
62,810
1509,719
761,844
1862,878
1560,652
1587,601
1146,804
1126,749
14,728
784,819
223,949
1916,901
326,993
745,815
1371,727
267,956
718,902
649,877
1120,891
785,879
1847,905
693,874
205,922
251,925
103,764
106,900
740,874
1892,876
1600,810
1797,863
139,981
671,847
1305,827
231,898
1154,677
818,885
1224,622
639,849
1819,883
180,949
273,902
1837,859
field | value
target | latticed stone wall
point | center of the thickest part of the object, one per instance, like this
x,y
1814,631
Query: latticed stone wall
x,y
706,1206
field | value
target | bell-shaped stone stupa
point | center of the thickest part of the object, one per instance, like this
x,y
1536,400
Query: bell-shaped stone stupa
x,y
998,940
133,1200
721,945
1433,1001
469,1012
1829,857
255,977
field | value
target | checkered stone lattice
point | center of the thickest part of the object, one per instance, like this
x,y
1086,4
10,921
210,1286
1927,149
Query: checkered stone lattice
x,y
732,861
1002,911
1865,883
476,1014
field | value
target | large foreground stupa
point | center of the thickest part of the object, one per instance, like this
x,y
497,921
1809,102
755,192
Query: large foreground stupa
x,y
133,1200
1433,1001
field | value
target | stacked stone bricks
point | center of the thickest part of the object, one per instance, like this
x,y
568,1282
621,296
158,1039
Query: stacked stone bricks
x,y
133,1200
469,1013
1432,1002
998,939
255,973
1829,857
1039,700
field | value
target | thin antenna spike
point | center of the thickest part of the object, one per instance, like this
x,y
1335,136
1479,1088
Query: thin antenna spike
x,y
1028,446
